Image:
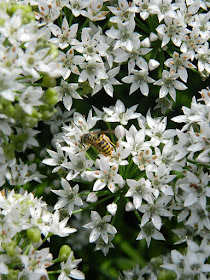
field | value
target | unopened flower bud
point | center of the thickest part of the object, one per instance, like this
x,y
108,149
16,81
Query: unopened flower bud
x,y
146,43
153,37
112,208
129,206
64,252
153,64
92,197
119,131
167,275
34,234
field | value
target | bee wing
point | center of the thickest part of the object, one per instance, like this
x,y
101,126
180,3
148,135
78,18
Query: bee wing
x,y
102,131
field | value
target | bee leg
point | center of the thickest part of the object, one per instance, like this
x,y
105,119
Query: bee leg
x,y
85,147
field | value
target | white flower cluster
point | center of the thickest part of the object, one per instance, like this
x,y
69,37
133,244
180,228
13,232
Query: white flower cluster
x,y
97,57
149,156
55,51
20,213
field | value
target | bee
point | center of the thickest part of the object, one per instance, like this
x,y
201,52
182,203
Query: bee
x,y
100,141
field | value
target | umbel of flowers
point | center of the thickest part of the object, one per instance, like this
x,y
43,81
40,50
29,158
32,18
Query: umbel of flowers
x,y
56,55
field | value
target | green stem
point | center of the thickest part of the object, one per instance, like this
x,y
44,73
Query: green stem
x,y
27,249
198,163
141,175
133,171
128,168
93,204
71,19
54,272
57,260
4,138
84,25
137,215
142,26
43,241
111,134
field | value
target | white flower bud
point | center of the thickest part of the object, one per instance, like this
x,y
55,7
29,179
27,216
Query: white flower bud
x,y
129,206
119,131
153,64
112,208
92,197
153,37
146,43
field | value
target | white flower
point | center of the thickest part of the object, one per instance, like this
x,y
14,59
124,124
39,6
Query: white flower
x,y
20,174
68,197
67,63
143,7
199,217
107,175
122,12
64,35
154,211
100,227
92,44
148,232
191,43
77,6
92,197
69,269
201,25
94,12
169,84
140,190
124,36
67,92
164,8
8,83
173,29
29,98
77,166
203,57
178,64
117,113
134,57
59,227
92,69
36,262
104,247
139,80
57,158
196,188
157,130
136,139
107,83
159,178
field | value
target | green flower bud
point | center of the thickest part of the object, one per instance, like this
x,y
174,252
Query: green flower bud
x,y
48,81
51,96
2,22
10,248
13,274
86,89
47,111
167,275
53,51
34,234
10,110
64,252
19,141
9,150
